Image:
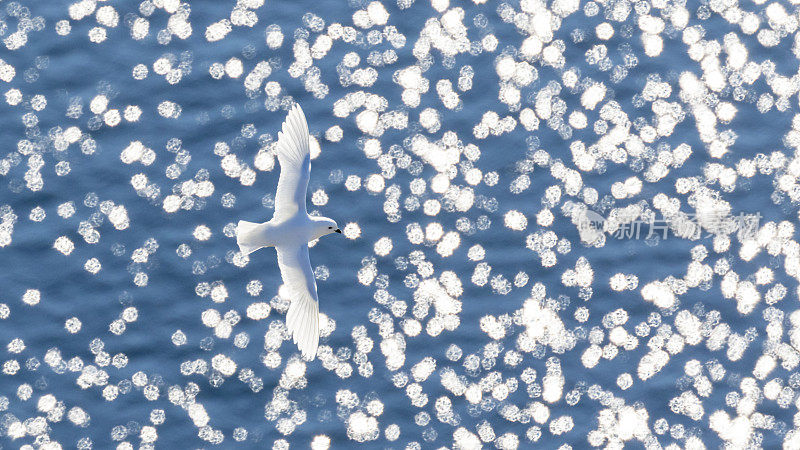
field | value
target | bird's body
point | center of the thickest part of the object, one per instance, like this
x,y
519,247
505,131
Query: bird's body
x,y
295,230
290,231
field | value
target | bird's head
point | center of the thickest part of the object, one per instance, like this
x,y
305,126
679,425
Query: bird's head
x,y
324,225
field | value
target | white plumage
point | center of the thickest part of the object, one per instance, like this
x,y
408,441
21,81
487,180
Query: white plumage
x,y
290,230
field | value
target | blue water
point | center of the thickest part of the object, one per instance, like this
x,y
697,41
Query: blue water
x,y
65,68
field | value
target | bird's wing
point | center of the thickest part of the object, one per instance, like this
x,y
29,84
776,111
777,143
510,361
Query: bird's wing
x,y
295,160
303,316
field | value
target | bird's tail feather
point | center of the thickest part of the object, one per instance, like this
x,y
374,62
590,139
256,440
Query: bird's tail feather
x,y
248,236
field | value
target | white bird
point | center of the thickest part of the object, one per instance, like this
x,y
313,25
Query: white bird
x,y
290,230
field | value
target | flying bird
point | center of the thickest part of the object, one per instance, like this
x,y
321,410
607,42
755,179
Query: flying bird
x,y
290,231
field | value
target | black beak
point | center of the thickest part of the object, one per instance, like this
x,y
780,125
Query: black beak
x,y
339,231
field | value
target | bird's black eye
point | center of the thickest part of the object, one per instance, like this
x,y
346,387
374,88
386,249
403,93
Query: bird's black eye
x,y
330,228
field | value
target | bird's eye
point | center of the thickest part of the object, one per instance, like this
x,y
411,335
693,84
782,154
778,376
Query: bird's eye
x,y
330,228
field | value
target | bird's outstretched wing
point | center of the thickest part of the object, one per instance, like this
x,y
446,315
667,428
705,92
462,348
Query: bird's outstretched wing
x,y
303,316
295,160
